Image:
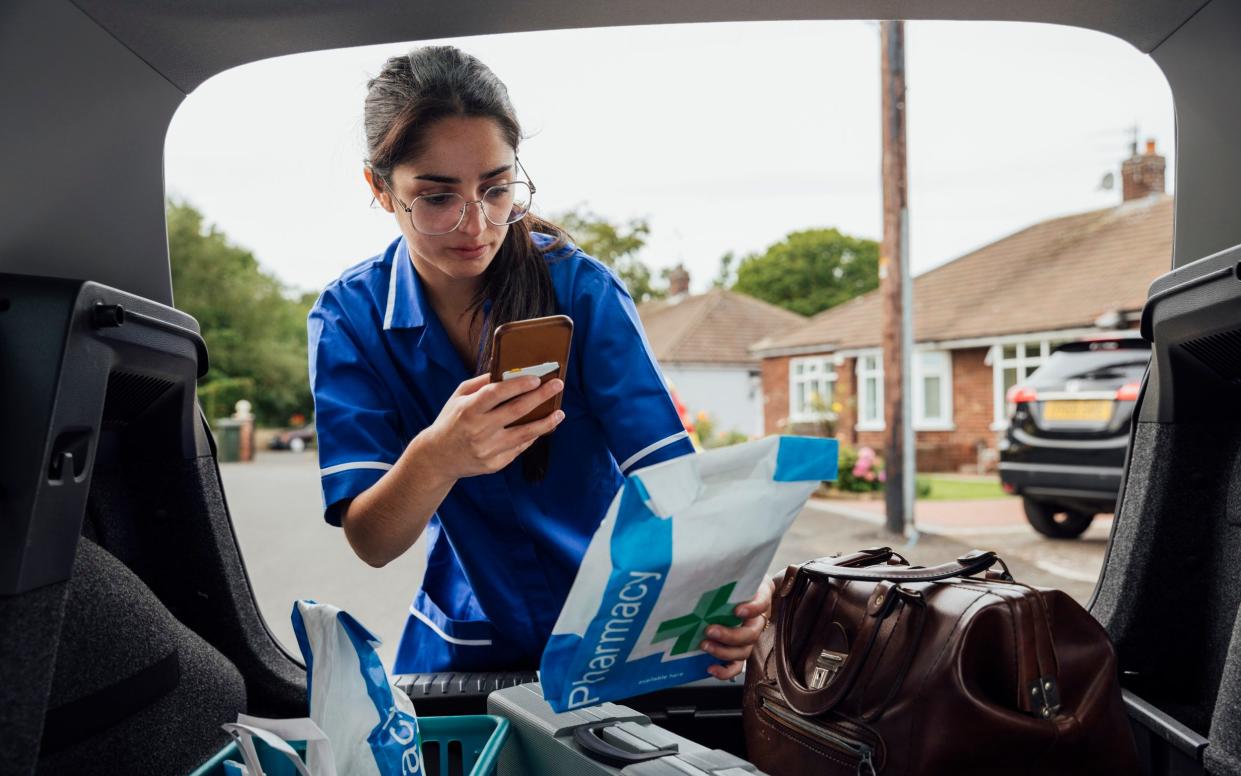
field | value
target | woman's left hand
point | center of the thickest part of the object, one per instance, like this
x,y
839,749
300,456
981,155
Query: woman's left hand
x,y
734,645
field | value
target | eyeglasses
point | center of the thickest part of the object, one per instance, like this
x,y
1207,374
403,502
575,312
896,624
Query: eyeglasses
x,y
441,213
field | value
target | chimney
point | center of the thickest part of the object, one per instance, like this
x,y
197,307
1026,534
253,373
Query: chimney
x,y
678,281
1142,175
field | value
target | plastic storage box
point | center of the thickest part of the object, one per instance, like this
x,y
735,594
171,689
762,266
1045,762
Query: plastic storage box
x,y
451,746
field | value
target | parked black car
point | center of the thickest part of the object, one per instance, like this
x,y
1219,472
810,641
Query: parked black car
x,y
1064,452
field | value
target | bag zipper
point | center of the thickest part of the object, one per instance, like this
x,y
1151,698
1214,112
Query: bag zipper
x,y
859,749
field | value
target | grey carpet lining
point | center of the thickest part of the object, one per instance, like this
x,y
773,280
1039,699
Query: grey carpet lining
x,y
1169,595
114,627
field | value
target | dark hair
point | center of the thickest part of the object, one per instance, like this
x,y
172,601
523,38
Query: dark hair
x,y
408,96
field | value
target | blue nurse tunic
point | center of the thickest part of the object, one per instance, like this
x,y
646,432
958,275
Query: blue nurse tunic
x,y
503,551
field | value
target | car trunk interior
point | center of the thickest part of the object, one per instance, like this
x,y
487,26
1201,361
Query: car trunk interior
x,y
115,525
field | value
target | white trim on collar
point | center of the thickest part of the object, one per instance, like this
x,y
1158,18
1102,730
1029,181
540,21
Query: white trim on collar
x,y
396,257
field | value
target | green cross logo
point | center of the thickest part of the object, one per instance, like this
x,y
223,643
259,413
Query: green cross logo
x,y
689,630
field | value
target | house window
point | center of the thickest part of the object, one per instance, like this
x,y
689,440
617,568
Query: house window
x,y
812,384
1011,364
870,392
932,390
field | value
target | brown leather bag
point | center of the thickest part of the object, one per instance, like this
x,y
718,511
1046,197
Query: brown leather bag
x,y
872,666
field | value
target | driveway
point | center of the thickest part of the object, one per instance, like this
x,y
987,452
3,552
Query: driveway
x,y
291,553
1001,525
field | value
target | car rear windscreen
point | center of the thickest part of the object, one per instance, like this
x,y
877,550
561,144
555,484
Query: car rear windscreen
x,y
1103,369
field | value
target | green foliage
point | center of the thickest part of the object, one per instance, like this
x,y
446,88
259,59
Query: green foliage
x,y
810,271
728,271
710,437
255,333
616,245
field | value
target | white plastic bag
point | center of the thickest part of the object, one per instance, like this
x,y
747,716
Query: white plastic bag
x,y
683,543
276,733
372,726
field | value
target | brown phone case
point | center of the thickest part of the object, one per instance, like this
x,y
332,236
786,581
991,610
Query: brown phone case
x,y
519,344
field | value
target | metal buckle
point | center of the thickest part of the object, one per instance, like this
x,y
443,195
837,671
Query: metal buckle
x,y
826,665
1045,693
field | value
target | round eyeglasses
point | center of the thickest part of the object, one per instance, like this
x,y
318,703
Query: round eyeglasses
x,y
443,212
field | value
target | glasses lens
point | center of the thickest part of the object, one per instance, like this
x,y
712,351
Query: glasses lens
x,y
437,213
508,203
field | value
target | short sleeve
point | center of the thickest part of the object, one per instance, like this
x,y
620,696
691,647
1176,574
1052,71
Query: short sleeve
x,y
624,387
356,420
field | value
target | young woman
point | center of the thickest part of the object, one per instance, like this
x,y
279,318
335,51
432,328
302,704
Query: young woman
x,y
414,439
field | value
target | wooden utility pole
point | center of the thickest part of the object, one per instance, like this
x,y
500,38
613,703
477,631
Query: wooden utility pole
x,y
894,283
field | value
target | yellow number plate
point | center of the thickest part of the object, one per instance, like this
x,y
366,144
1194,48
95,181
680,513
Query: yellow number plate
x,y
1085,410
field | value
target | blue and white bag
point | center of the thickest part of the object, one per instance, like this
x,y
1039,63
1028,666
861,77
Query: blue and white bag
x,y
372,728
683,543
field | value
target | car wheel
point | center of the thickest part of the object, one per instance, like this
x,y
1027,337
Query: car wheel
x,y
297,444
1053,521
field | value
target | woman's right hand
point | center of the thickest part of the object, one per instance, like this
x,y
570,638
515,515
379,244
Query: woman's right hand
x,y
470,436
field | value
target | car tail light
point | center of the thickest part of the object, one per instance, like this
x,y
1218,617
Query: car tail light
x,y
1128,392
1020,393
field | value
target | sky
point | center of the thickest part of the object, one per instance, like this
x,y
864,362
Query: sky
x,y
724,137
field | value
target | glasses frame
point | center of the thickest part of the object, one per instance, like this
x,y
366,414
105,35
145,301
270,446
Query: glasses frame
x,y
409,209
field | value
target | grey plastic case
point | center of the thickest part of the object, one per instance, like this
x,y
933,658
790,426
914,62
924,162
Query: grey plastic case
x,y
603,739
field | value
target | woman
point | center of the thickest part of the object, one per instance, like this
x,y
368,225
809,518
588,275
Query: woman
x,y
413,438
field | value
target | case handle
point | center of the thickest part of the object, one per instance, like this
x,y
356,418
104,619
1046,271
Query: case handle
x,y
588,738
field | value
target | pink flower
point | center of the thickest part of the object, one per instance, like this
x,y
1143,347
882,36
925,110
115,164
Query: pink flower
x,y
859,470
866,454
869,477
883,476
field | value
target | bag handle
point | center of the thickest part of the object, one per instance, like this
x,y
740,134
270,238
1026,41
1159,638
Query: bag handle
x,y
812,702
868,565
973,562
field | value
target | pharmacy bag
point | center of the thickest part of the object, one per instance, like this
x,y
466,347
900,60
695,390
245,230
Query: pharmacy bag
x,y
683,543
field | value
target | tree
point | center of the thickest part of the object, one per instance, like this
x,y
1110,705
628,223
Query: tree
x,y
810,271
728,271
616,245
255,331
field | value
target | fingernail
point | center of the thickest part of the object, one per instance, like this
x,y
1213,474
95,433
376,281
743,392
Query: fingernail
x,y
559,415
705,646
742,611
713,632
559,385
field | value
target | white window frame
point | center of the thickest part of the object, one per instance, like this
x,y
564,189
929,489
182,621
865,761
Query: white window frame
x,y
1025,362
861,375
943,370
819,372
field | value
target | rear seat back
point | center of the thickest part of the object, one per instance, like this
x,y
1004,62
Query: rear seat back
x,y
133,630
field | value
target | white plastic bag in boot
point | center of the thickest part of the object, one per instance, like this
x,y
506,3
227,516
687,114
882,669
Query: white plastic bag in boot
x,y
371,725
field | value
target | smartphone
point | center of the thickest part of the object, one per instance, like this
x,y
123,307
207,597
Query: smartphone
x,y
539,347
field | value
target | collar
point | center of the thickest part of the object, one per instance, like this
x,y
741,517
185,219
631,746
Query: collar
x,y
407,300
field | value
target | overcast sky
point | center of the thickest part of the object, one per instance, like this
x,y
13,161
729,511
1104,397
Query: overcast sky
x,y
724,136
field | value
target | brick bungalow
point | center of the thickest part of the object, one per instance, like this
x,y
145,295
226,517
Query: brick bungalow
x,y
702,343
982,323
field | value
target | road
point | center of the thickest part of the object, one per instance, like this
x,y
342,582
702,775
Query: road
x,y
291,553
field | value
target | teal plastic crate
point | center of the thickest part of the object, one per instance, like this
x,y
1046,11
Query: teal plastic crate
x,y
465,745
